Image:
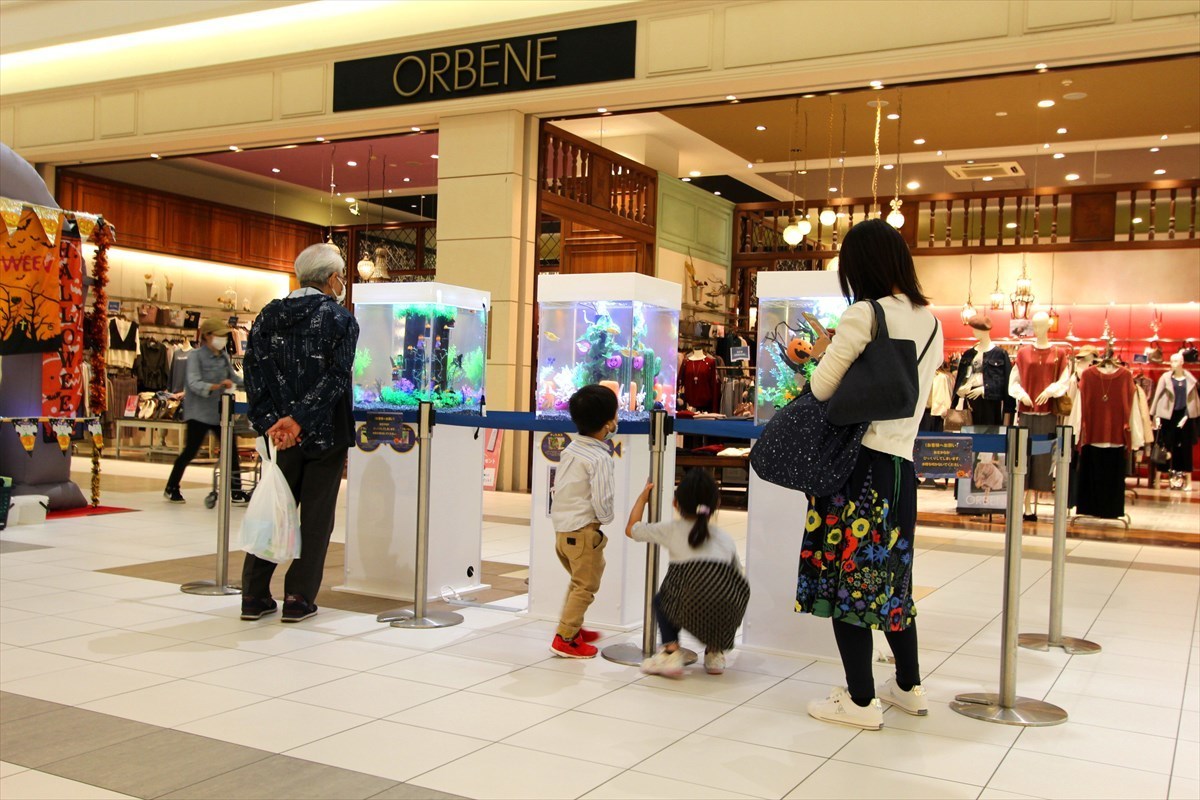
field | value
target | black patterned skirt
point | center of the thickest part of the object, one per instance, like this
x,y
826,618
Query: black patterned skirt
x,y
857,557
707,599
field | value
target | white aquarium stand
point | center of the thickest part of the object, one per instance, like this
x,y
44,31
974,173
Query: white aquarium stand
x,y
619,603
382,490
775,526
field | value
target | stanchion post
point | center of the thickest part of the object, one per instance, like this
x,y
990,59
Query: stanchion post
x,y
225,461
418,616
629,653
1064,445
1006,707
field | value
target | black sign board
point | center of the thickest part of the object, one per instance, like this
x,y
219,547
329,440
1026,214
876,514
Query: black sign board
x,y
539,61
943,457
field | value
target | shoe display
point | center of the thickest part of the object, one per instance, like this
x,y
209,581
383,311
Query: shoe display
x,y
257,607
668,665
172,494
912,702
588,636
575,648
839,708
714,662
296,608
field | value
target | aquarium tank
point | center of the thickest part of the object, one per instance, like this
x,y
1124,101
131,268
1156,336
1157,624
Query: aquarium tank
x,y
601,337
420,342
786,335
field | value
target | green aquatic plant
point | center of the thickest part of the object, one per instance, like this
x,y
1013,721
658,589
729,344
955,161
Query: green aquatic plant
x,y
426,310
362,361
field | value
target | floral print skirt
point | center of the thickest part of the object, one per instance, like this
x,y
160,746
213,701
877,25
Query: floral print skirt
x,y
857,556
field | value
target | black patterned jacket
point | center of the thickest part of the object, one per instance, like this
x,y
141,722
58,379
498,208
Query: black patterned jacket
x,y
298,363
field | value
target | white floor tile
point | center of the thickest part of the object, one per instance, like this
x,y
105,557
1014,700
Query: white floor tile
x,y
195,627
124,614
744,660
426,640
83,684
7,769
274,725
944,721
339,623
388,749
1189,726
639,786
674,710
34,785
273,676
186,659
1187,761
997,794
1044,775
733,766
598,668
790,730
477,715
1184,789
352,654
106,645
20,662
836,779
39,630
731,687
956,760
1104,745
503,772
272,640
1119,687
174,703
443,670
1119,714
589,737
791,695
503,647
560,690
369,695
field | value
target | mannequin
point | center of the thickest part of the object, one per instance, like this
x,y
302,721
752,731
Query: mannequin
x,y
1175,409
1042,372
698,382
983,378
1109,427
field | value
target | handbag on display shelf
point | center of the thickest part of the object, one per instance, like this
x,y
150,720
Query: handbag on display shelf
x,y
147,314
882,383
801,449
957,418
1160,457
191,320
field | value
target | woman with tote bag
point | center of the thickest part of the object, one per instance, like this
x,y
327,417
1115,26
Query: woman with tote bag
x,y
857,556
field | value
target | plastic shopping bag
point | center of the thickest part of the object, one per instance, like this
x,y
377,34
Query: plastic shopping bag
x,y
271,525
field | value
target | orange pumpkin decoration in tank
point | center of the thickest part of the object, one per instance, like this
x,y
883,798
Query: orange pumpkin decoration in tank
x,y
799,351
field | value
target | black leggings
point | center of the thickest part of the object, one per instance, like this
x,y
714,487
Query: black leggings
x,y
857,650
196,431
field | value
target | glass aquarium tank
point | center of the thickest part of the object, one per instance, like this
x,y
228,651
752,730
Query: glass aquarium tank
x,y
788,304
420,342
616,330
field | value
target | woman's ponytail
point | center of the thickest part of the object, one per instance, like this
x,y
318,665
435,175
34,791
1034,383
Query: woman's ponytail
x,y
697,496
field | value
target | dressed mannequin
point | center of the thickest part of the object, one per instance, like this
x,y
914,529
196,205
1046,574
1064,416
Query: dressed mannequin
x,y
1109,427
698,383
983,378
1042,372
1175,409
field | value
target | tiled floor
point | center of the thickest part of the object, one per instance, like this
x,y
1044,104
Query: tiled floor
x,y
116,686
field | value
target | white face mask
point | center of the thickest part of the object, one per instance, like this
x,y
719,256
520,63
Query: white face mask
x,y
611,433
341,295
218,343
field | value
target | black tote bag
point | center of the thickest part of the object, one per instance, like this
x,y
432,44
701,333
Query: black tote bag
x,y
882,383
800,449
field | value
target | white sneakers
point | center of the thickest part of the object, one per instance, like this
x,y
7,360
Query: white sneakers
x,y
669,665
839,708
714,662
911,702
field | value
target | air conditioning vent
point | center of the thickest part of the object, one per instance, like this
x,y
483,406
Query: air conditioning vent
x,y
990,169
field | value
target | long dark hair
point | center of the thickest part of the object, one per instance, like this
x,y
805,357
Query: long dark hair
x,y
874,261
697,496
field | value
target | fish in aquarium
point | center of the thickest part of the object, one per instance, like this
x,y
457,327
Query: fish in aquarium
x,y
786,363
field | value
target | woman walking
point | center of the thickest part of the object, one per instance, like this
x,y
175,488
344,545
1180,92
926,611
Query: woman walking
x,y
857,557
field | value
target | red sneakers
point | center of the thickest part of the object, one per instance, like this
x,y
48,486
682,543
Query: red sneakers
x,y
588,636
576,648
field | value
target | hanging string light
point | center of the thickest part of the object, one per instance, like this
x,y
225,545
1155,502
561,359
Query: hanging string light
x,y
832,264
1052,313
998,298
381,271
895,218
968,312
332,187
828,216
875,173
792,234
803,223
366,267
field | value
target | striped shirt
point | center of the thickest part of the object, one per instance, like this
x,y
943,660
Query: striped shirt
x,y
584,485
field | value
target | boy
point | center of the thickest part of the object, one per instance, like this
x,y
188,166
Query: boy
x,y
583,501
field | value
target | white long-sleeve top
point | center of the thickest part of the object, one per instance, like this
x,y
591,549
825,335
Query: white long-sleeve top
x,y
856,328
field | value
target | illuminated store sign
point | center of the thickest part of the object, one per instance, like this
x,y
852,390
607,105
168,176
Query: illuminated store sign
x,y
561,58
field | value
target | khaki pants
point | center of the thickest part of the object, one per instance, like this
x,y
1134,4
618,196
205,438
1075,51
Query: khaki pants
x,y
582,555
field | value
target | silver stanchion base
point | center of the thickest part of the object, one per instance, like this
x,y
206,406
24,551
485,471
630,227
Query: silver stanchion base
x,y
1069,644
631,655
432,619
1025,711
209,588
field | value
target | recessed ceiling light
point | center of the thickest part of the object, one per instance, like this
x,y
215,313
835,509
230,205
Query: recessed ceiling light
x,y
1060,155
1046,146
1072,176
803,172
808,96
970,161
718,194
434,156
233,147
876,84
351,163
893,116
602,110
1061,131
1074,95
889,166
1160,172
289,147
349,199
416,129
1040,66
731,97
406,180
833,188
1137,220
1001,113
1155,149
939,152
320,138
760,127
918,141
274,169
987,179
1163,137
1011,225
749,166
155,155
912,185
686,180
389,191
695,173
1045,104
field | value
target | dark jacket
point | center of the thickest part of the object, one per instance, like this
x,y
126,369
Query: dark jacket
x,y
996,366
298,364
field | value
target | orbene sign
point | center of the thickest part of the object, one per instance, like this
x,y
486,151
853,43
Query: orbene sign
x,y
562,58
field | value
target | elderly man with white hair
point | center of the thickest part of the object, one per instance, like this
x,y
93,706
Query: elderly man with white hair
x,y
298,369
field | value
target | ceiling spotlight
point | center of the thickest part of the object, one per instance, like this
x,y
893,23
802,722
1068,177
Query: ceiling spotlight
x,y
918,141
1074,95
802,172
1061,131
876,84
833,188
355,210
416,129
986,179
686,180
155,155
939,152
407,180
1136,220
1072,176
889,166
749,166
760,127
1154,149
1160,172
731,97
1045,104
434,156
351,163
1011,225
807,96
1163,137
970,161
602,110
320,138
289,147
275,169
893,116
1001,113
1060,155
234,147
718,194
1040,66
912,185
695,173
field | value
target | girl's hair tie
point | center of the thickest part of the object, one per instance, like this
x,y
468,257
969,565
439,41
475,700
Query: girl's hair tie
x,y
703,511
